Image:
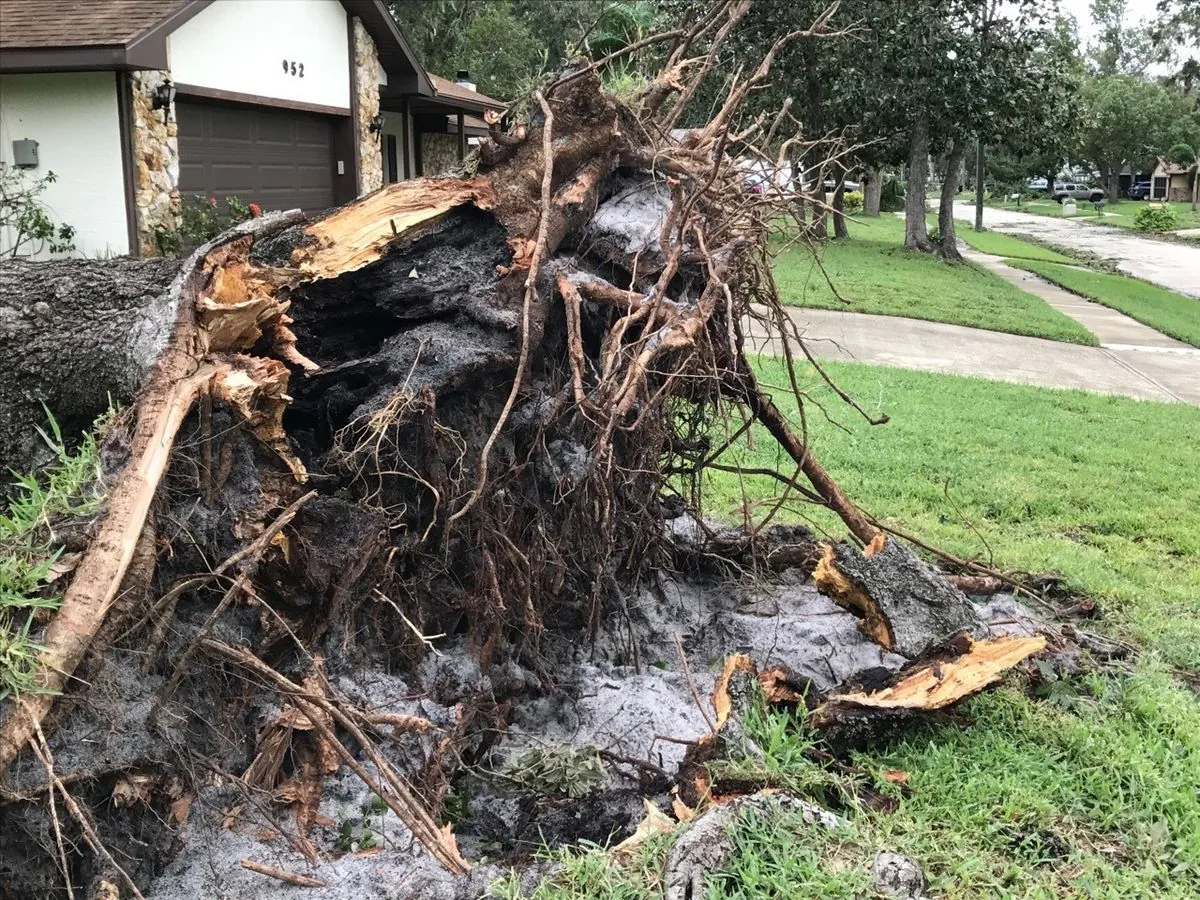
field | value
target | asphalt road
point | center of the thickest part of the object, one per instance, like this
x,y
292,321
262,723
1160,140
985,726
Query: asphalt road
x,y
1172,265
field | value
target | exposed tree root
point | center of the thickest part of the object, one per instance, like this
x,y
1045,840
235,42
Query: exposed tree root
x,y
450,412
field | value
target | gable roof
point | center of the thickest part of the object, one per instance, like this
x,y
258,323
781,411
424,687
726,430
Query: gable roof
x,y
446,89
80,23
91,35
73,35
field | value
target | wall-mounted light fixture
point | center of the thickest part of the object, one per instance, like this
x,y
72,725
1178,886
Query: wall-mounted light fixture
x,y
376,125
163,97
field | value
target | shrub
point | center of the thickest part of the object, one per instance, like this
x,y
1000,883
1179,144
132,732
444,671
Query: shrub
x,y
891,197
26,219
202,219
852,203
1156,219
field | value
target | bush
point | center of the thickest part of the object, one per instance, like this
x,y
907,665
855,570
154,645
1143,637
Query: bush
x,y
201,219
891,197
1156,219
25,219
852,203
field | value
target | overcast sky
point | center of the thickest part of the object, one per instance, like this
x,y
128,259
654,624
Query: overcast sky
x,y
1135,11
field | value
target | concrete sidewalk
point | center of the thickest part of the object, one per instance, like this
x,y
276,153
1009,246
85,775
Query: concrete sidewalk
x,y
1172,265
1160,374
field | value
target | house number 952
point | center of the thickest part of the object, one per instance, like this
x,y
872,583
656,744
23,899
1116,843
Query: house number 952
x,y
291,67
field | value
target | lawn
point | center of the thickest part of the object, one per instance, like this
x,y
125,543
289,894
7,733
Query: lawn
x,y
998,244
873,271
1085,786
1163,310
1119,214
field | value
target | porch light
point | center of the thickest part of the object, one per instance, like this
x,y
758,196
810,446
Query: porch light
x,y
376,126
163,97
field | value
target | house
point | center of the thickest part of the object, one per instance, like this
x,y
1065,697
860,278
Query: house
x,y
136,104
1170,181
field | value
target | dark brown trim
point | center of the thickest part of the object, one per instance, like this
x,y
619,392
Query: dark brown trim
x,y
192,90
404,130
66,59
395,53
355,112
462,137
148,50
128,173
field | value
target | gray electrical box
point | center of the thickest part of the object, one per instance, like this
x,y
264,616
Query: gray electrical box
x,y
25,155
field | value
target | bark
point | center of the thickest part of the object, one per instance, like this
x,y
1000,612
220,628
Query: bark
x,y
872,193
820,215
916,234
947,239
70,331
839,215
905,606
979,179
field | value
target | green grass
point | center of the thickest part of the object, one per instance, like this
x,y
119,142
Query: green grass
x,y
70,486
998,244
877,275
1079,786
1163,310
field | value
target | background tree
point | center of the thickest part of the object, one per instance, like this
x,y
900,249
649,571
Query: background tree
x,y
502,43
1129,121
1119,48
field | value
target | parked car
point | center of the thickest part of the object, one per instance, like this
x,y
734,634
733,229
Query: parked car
x,y
1141,191
1076,192
1037,184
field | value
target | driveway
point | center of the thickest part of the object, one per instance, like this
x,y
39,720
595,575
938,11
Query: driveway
x,y
1174,266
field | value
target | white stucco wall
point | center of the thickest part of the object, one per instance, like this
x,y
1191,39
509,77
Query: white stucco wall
x,y
240,46
73,117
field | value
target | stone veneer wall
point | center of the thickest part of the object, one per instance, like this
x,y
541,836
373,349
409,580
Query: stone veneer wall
x,y
439,153
155,163
366,88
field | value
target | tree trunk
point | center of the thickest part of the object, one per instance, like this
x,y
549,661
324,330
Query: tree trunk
x,y
979,179
947,240
839,206
916,234
873,190
1195,185
820,214
70,331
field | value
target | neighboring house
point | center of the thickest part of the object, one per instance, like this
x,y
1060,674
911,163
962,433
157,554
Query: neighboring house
x,y
135,104
1170,181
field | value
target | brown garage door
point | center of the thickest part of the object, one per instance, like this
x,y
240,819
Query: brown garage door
x,y
277,158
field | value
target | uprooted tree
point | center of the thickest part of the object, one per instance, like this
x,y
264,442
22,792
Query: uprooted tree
x,y
452,406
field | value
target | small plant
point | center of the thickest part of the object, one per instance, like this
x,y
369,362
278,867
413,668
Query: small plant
x,y
202,219
1156,219
852,203
564,771
70,487
25,218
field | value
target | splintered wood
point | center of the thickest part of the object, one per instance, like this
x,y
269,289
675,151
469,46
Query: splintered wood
x,y
938,683
358,234
904,605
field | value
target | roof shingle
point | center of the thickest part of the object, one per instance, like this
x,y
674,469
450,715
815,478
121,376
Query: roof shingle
x,y
452,90
78,23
